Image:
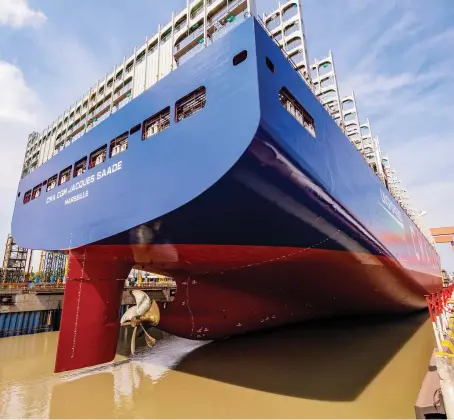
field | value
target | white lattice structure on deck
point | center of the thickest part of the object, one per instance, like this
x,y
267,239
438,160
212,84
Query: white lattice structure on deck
x,y
345,113
200,24
286,25
351,121
324,78
371,149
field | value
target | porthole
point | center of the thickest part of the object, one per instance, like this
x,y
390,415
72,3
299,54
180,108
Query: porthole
x,y
239,58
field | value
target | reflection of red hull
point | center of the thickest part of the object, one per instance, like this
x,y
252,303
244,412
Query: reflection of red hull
x,y
226,290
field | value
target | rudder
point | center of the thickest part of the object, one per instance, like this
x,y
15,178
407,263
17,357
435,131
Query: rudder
x,y
91,309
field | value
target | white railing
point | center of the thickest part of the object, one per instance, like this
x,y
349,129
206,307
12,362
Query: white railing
x,y
188,39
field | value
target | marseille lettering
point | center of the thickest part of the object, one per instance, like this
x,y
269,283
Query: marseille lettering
x,y
82,185
77,197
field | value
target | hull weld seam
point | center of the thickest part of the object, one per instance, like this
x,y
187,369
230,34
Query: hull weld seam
x,y
189,306
272,259
79,295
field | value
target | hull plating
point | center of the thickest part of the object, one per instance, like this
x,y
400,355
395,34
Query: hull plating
x,y
259,222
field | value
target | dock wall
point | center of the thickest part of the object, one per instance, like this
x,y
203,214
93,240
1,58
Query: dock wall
x,y
28,312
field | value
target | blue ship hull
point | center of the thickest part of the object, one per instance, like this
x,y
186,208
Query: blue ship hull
x,y
259,222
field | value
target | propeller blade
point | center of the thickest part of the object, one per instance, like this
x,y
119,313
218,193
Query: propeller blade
x,y
143,302
145,310
142,306
153,315
133,341
128,315
148,338
139,332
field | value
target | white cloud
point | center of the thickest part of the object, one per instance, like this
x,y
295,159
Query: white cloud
x,y
12,145
18,102
376,91
370,83
424,161
20,108
429,44
19,111
74,68
407,24
17,13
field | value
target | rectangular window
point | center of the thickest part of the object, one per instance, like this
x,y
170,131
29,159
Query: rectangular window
x,y
190,104
98,156
80,167
297,110
27,196
65,175
119,144
52,183
153,47
156,123
36,191
166,35
140,57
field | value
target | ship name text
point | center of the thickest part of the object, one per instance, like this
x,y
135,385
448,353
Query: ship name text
x,y
391,207
83,184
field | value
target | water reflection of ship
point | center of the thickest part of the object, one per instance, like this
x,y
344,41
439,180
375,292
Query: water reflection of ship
x,y
337,359
331,361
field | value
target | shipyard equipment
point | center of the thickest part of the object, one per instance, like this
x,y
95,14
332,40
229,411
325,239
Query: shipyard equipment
x,y
14,262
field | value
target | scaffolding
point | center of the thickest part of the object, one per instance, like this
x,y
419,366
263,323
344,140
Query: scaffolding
x,y
14,262
52,266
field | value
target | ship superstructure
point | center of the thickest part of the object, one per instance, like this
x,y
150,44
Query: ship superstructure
x,y
233,176
188,32
197,26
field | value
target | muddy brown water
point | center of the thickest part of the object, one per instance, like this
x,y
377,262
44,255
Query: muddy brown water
x,y
344,368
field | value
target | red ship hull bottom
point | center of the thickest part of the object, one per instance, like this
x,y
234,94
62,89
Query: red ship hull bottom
x,y
226,290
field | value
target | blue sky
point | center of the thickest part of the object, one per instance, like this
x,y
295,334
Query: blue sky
x,y
395,54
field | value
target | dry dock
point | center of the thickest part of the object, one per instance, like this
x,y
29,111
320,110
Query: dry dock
x,y
349,368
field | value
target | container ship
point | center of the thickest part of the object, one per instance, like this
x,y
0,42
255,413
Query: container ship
x,y
217,155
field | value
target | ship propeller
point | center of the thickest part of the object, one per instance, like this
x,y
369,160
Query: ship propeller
x,y
145,311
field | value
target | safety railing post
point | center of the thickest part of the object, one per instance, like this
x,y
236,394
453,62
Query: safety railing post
x,y
433,319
